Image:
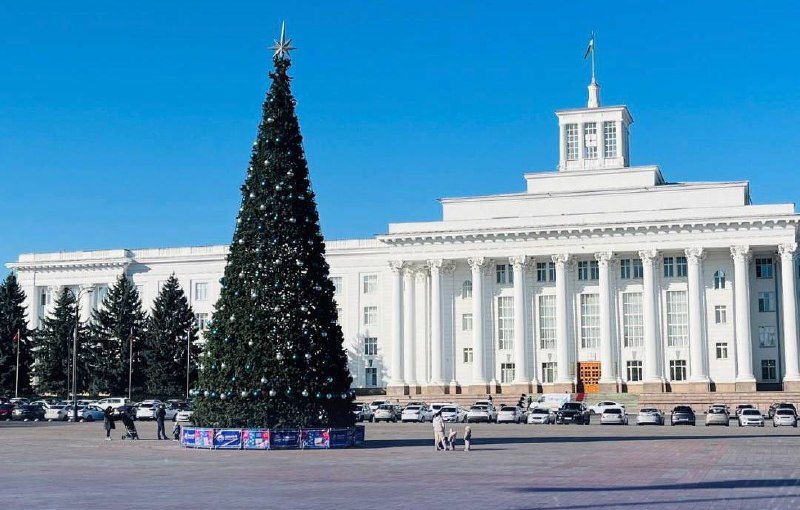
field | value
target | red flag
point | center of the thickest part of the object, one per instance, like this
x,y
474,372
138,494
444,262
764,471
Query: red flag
x,y
16,337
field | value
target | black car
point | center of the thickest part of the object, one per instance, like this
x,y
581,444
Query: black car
x,y
682,415
5,411
780,405
27,412
573,412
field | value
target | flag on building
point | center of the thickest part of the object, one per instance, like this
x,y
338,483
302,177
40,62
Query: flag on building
x,y
590,48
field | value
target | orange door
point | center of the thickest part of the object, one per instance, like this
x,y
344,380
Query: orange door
x,y
588,376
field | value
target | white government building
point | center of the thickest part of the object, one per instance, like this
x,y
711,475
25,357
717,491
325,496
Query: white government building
x,y
599,276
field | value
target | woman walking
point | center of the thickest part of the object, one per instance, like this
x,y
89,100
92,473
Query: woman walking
x,y
108,422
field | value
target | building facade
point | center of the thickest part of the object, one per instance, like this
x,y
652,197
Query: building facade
x,y
600,276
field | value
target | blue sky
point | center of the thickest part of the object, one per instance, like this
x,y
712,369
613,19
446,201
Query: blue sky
x,y
130,124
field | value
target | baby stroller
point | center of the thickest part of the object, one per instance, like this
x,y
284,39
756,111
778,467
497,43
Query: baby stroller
x,y
130,427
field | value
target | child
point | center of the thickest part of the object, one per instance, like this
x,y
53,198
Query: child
x,y
451,440
467,437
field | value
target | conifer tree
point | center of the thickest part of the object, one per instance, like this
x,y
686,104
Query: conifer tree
x,y
274,356
53,343
13,321
165,342
114,325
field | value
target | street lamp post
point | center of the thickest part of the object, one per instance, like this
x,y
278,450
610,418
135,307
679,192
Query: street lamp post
x,y
188,358
88,290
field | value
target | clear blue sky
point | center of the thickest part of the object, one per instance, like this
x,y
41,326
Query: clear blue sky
x,y
129,124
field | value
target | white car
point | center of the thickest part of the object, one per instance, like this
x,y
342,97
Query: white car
x,y
92,413
478,414
385,412
454,414
751,418
600,407
375,404
540,416
436,406
184,415
113,402
146,410
490,406
509,414
56,412
416,412
650,416
614,416
362,412
784,416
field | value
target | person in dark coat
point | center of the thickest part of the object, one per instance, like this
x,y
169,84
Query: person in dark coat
x,y
108,422
161,413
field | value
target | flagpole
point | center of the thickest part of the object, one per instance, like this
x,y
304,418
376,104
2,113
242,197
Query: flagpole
x,y
594,49
16,374
188,359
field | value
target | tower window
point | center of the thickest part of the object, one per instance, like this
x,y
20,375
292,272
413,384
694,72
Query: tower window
x,y
571,133
609,139
590,140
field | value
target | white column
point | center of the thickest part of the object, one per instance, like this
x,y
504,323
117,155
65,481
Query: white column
x,y
396,377
520,330
477,265
741,286
789,300
606,351
650,370
422,309
87,293
55,293
562,332
436,321
697,369
409,358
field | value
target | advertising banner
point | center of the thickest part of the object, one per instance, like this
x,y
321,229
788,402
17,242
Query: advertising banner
x,y
284,439
228,439
316,438
203,438
340,438
255,439
359,438
187,437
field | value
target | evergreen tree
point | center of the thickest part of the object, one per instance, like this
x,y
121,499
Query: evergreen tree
x,y
113,326
53,344
274,356
165,342
13,320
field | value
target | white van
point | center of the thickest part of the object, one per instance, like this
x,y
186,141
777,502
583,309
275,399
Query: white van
x,y
114,402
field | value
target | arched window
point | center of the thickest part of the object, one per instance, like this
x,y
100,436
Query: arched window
x,y
466,290
719,279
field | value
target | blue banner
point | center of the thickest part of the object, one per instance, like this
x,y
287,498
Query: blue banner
x,y
187,437
316,438
340,438
359,437
229,439
255,439
203,438
283,439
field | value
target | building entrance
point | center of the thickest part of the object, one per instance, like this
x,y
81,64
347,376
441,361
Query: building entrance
x,y
588,377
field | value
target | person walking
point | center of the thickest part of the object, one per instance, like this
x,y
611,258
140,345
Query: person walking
x,y
161,413
108,421
467,437
451,440
438,431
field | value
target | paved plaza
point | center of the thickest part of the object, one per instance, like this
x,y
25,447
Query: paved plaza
x,y
57,465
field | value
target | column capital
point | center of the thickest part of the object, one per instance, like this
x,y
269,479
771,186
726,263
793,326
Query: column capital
x,y
561,258
741,253
396,265
519,261
434,264
421,272
787,250
86,287
478,263
604,257
648,256
694,255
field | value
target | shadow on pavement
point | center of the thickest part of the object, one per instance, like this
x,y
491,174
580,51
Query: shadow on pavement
x,y
693,502
712,484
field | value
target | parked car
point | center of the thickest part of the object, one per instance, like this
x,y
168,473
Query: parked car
x,y
113,402
784,416
650,416
146,410
751,418
385,412
717,416
5,411
55,412
184,414
510,414
682,415
454,414
20,401
479,413
541,416
490,408
573,412
742,407
416,412
780,405
362,412
614,416
601,406
437,406
27,412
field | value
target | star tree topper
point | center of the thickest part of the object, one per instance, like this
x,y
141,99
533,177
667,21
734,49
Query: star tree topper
x,y
284,46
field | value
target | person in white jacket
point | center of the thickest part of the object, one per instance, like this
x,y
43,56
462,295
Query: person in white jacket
x,y
438,431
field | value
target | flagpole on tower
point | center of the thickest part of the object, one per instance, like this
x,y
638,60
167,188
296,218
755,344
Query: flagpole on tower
x,y
593,50
594,88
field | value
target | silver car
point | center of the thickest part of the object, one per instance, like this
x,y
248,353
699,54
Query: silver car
x,y
751,418
717,416
650,416
784,416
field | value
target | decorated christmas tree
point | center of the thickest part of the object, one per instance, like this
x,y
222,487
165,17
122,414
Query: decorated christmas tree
x,y
274,356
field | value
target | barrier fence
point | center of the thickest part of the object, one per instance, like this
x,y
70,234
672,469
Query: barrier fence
x,y
266,439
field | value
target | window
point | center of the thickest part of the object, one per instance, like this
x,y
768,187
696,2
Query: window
x,y
638,269
594,270
720,314
766,301
506,373
590,320
571,134
632,321
609,139
200,291
588,270
505,322
370,346
337,284
719,279
338,316
767,336
764,267
466,289
590,140
466,322
549,372
371,376
547,321
545,272
370,315
44,298
625,269
370,284
634,369
669,267
722,350
677,370
504,274
467,354
768,372
680,267
201,321
677,319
